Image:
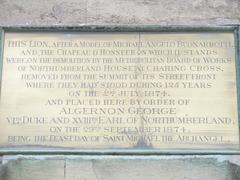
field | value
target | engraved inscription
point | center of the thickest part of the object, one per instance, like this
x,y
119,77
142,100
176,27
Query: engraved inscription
x,y
119,90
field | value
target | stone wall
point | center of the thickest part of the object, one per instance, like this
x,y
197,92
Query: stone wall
x,y
119,12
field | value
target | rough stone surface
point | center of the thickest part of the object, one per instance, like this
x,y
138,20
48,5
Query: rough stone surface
x,y
112,12
120,167
15,168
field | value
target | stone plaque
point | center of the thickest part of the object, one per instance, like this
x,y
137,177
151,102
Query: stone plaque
x,y
119,90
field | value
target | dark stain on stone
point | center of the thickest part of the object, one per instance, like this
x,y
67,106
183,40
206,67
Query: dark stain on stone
x,y
234,171
18,8
142,141
4,173
143,144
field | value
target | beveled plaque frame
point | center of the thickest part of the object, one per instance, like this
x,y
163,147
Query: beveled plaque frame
x,y
155,28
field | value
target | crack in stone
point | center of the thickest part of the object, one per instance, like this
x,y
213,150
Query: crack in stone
x,y
94,170
64,171
86,12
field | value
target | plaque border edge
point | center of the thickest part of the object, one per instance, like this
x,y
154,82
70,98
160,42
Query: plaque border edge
x,y
127,28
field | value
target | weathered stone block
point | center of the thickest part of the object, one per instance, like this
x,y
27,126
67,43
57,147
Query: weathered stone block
x,y
120,167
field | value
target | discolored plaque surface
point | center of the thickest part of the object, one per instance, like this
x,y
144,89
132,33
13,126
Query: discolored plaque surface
x,y
119,91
